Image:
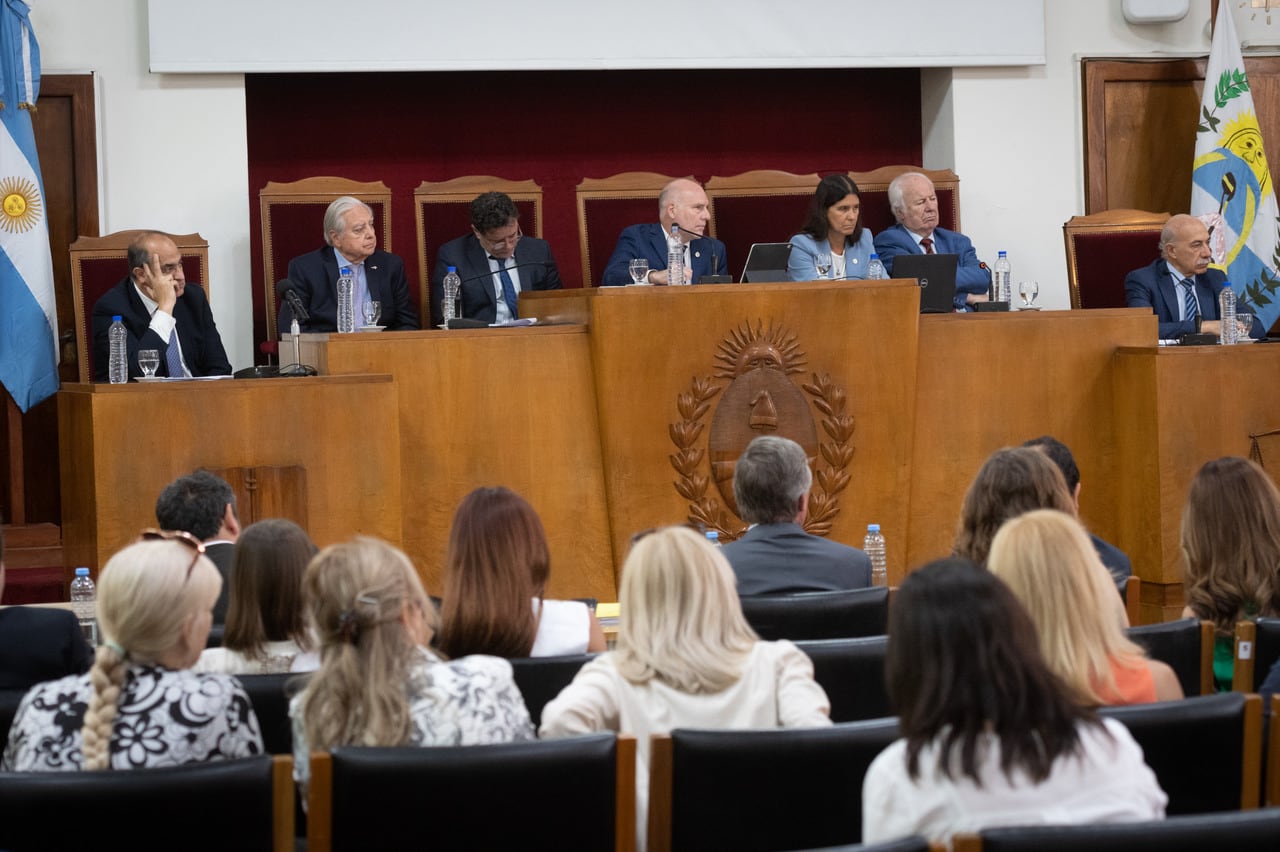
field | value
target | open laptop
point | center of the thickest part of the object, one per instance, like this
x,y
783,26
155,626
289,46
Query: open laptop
x,y
766,262
937,276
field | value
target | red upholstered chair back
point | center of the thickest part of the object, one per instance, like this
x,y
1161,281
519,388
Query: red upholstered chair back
x,y
443,209
758,207
606,206
876,213
100,263
1103,248
293,224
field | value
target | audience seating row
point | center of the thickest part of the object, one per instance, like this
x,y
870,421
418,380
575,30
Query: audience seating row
x,y
1258,829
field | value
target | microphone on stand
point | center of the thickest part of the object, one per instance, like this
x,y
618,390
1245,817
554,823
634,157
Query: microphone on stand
x,y
542,263
286,289
713,278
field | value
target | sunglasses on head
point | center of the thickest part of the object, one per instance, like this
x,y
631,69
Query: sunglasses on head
x,y
185,538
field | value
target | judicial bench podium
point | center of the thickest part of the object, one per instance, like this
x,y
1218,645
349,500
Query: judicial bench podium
x,y
628,407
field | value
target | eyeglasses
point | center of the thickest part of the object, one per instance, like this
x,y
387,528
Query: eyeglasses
x,y
492,245
179,536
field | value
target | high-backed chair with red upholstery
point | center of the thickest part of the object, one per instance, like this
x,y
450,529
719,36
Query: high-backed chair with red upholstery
x,y
293,224
443,210
1102,248
874,185
606,206
100,263
762,206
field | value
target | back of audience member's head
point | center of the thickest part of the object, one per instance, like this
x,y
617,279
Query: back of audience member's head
x,y
1060,454
265,603
769,480
497,563
154,606
1047,560
680,622
1012,481
963,662
195,503
1231,543
369,613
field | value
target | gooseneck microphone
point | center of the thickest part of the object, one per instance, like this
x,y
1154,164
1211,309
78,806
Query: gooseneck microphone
x,y
287,290
539,263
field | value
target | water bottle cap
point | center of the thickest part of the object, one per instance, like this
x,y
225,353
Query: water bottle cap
x,y
1002,254
345,271
675,229
873,528
117,318
453,269
875,256
713,535
82,572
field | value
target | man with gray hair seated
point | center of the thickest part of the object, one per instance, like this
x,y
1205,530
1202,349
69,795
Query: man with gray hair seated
x,y
378,276
771,486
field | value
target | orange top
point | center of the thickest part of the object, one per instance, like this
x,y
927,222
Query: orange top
x,y
1133,686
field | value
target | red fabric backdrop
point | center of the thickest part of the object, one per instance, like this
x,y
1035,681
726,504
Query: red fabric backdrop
x,y
558,127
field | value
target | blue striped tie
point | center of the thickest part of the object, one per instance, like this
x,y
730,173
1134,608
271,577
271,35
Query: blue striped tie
x,y
508,287
173,356
1189,305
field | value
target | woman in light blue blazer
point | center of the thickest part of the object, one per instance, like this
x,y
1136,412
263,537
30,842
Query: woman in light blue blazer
x,y
834,227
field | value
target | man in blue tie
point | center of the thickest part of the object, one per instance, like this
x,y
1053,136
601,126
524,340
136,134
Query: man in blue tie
x,y
496,262
1179,287
159,312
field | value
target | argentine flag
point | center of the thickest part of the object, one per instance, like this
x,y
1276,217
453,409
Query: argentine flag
x,y
1231,188
28,308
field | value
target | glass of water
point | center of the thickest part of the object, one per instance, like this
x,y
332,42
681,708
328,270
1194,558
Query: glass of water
x,y
1028,290
148,361
372,311
822,260
1244,324
639,269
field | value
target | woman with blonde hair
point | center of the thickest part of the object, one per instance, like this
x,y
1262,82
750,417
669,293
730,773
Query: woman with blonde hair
x,y
685,657
1047,559
1011,481
139,705
1231,544
378,683
496,573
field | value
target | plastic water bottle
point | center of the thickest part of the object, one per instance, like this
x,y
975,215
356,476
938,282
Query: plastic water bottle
x,y
1227,313
346,301
1000,281
675,258
873,546
83,601
713,536
452,285
875,269
118,359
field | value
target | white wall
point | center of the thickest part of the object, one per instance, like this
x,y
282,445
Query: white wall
x,y
173,150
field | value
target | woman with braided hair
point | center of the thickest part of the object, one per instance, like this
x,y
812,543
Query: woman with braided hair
x,y
378,683
140,705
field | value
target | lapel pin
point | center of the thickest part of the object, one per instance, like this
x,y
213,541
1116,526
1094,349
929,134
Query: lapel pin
x,y
374,268
697,254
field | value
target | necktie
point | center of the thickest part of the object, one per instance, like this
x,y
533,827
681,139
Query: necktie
x,y
927,242
508,288
1189,299
173,356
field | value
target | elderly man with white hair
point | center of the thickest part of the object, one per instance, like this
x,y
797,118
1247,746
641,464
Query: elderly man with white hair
x,y
915,205
350,241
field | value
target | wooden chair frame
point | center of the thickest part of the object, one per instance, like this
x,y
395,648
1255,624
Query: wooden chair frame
x,y
1119,221
627,185
312,190
116,245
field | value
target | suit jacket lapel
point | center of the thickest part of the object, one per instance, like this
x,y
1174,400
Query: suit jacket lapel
x,y
658,242
1169,292
375,281
478,258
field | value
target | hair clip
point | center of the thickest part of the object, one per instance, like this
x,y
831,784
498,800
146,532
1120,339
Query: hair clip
x,y
348,626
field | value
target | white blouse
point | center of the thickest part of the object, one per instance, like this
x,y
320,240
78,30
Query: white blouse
x,y
278,658
563,628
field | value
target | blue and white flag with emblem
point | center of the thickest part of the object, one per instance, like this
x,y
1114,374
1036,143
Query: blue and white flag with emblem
x,y
1231,189
28,307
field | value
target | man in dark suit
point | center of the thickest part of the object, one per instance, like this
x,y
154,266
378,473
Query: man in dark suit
x,y
378,276
38,644
682,202
205,506
496,263
1179,287
771,486
159,312
915,205
1113,557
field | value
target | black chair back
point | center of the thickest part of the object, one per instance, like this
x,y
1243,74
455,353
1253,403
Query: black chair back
x,y
819,615
540,679
229,804
765,790
1266,649
1206,751
552,794
1258,829
852,673
915,843
270,694
1179,644
9,701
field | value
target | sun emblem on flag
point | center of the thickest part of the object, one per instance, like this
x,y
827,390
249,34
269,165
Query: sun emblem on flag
x,y
19,204
1243,137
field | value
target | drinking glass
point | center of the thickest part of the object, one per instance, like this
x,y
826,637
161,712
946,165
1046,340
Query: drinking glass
x,y
1028,290
822,260
372,313
1244,322
148,361
639,269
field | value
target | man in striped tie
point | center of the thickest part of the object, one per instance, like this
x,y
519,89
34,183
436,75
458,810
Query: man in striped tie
x,y
159,312
1179,287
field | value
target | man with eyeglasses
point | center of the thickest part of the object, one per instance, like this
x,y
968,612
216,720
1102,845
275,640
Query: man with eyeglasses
x,y
159,312
496,263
